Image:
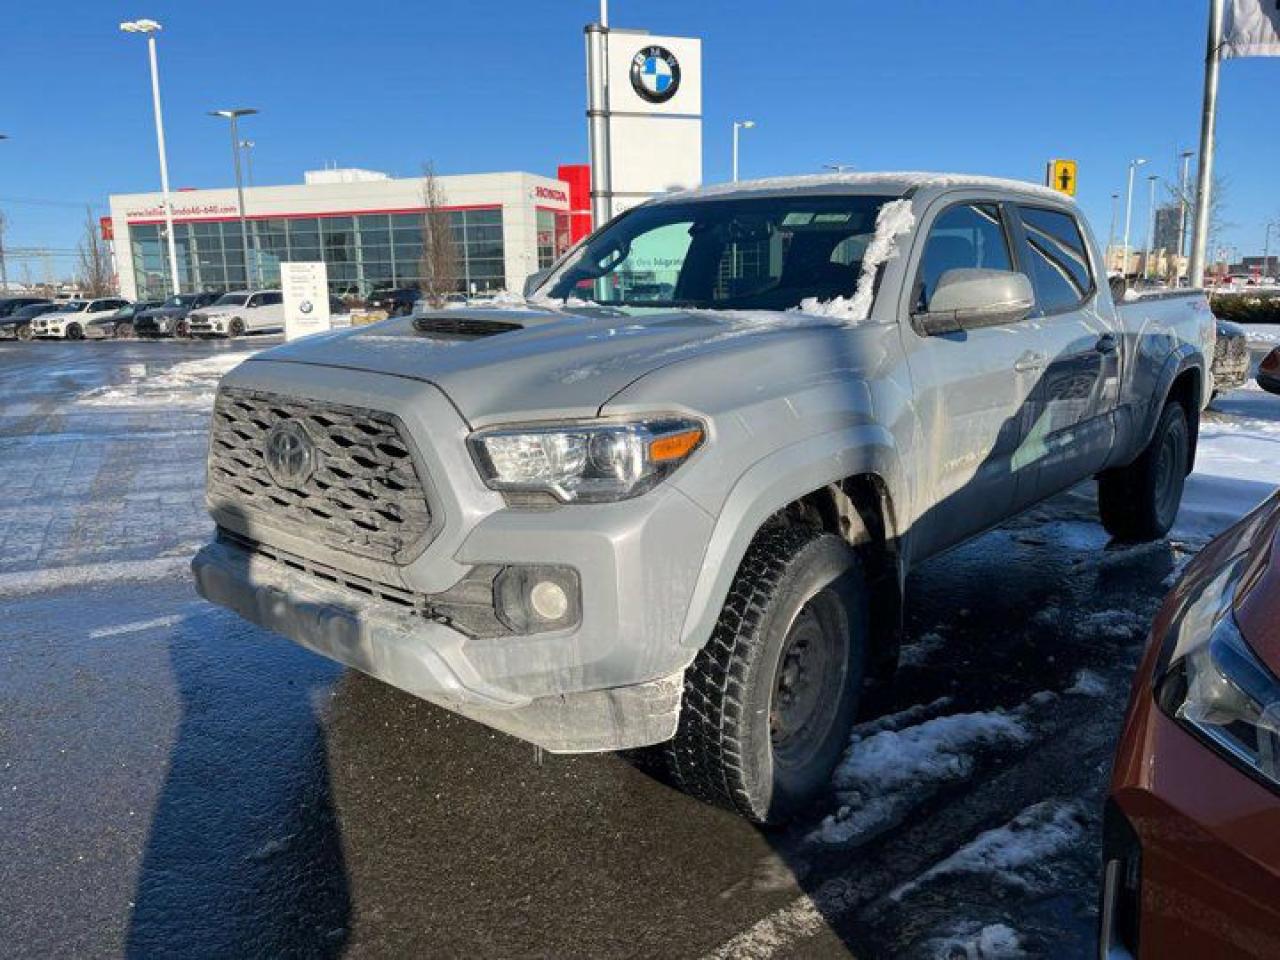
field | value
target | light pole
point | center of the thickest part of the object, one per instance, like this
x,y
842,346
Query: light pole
x,y
1151,227
1266,249
150,28
247,146
739,125
1128,214
1111,234
1184,182
234,116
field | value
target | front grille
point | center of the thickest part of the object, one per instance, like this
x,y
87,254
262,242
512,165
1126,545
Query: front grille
x,y
363,497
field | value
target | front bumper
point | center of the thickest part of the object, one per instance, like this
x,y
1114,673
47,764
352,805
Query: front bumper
x,y
431,660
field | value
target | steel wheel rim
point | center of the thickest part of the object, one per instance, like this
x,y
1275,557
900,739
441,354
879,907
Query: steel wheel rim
x,y
1167,476
810,675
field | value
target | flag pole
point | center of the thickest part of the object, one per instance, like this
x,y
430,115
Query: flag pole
x,y
1208,121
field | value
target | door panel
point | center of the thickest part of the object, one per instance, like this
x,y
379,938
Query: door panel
x,y
972,390
1071,428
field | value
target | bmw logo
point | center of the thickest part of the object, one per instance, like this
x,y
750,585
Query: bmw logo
x,y
655,74
305,306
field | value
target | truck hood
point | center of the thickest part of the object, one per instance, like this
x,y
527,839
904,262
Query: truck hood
x,y
504,364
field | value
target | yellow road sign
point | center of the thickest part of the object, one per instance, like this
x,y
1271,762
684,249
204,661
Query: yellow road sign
x,y
1061,175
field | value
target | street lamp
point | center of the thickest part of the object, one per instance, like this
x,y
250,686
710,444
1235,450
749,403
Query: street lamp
x,y
739,125
247,146
150,28
1151,227
837,167
1266,249
1184,184
1128,213
1111,234
234,116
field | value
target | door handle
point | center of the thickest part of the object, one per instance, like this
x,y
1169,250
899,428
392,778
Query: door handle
x,y
1029,362
1106,343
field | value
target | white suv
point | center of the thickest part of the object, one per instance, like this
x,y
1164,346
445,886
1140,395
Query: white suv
x,y
239,312
74,320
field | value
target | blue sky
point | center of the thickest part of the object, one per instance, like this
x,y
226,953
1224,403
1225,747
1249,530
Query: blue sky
x,y
992,87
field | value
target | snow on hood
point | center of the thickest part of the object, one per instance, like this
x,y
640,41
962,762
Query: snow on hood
x,y
560,361
907,180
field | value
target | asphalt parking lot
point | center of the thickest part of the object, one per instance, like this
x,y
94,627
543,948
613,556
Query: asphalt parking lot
x,y
176,782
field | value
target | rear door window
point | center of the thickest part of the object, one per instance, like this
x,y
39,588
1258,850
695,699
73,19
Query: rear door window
x,y
1057,258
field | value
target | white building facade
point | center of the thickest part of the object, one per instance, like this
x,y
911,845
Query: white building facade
x,y
366,227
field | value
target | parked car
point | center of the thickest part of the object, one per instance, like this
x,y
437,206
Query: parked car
x,y
74,319
16,314
169,318
1230,357
1191,865
1269,372
119,325
682,521
396,303
238,313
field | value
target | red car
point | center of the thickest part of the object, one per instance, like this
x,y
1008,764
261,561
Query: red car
x,y
1191,846
1269,371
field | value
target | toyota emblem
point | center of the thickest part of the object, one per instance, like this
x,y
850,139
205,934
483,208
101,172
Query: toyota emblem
x,y
290,454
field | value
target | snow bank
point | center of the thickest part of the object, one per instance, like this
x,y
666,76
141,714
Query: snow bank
x,y
191,383
1088,684
894,220
1019,854
885,774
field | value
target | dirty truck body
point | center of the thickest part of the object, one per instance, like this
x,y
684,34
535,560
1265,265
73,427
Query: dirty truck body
x,y
673,497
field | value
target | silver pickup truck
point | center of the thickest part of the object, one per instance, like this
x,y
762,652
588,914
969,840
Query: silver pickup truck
x,y
670,498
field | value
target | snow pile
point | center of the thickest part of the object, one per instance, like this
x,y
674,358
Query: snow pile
x,y
970,941
1017,855
1088,684
191,383
888,772
1113,625
894,220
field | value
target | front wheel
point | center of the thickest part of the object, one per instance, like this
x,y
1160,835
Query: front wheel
x,y
24,331
1140,502
124,331
235,328
75,331
769,702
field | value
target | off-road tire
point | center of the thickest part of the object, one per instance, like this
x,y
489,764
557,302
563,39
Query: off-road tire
x,y
725,750
1140,502
23,332
75,331
235,328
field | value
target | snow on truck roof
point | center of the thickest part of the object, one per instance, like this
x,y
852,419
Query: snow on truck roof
x,y
898,184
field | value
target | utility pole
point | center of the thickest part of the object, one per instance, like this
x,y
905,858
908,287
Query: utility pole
x,y
598,118
1208,121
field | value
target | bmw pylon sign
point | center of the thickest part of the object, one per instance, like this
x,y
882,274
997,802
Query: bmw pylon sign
x,y
655,74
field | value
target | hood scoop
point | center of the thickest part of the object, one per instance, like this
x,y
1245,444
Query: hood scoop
x,y
462,325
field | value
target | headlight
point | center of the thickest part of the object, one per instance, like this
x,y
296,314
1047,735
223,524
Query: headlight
x,y
1216,687
590,462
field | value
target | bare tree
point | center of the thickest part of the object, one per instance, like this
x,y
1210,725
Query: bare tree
x,y
94,270
1217,206
438,269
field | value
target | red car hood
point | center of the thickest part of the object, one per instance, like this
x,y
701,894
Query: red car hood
x,y
1257,603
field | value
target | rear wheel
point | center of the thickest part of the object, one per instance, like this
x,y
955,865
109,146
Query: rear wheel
x,y
235,328
769,702
124,331
1140,502
75,331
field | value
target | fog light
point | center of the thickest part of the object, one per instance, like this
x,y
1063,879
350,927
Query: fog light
x,y
536,599
549,600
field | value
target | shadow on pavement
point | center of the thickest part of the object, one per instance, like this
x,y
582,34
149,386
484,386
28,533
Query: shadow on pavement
x,y
244,857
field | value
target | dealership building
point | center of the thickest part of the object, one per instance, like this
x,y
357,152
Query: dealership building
x,y
367,227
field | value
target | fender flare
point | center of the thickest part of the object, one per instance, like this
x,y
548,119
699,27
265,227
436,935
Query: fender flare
x,y
1185,357
783,477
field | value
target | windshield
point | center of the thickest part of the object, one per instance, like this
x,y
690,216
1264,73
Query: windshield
x,y
231,300
736,254
183,300
71,308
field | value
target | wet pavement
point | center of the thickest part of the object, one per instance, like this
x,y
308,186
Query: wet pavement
x,y
176,782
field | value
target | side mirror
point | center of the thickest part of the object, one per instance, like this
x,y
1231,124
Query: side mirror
x,y
534,280
969,299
